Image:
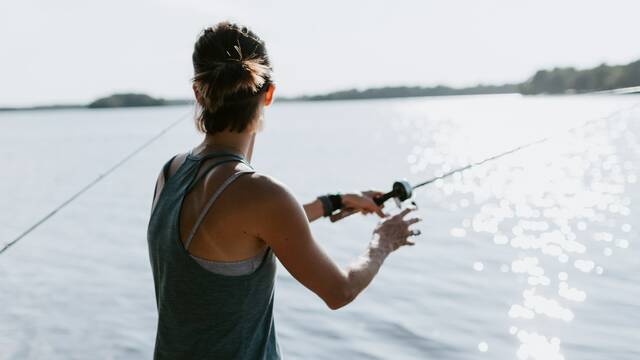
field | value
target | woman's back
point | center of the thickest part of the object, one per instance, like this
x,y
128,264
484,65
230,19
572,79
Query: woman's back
x,y
203,314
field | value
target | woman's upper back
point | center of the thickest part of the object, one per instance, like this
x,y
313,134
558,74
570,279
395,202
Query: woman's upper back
x,y
204,314
225,233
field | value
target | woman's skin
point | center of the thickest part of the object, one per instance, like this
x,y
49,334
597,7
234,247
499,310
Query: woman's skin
x,y
256,211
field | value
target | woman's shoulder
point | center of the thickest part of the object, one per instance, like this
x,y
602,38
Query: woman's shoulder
x,y
172,165
264,184
267,189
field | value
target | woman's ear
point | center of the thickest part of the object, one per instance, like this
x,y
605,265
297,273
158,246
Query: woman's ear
x,y
268,98
196,93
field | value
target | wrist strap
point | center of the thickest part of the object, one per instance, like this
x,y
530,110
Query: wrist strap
x,y
326,205
330,203
336,202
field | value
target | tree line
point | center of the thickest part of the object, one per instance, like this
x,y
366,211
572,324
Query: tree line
x,y
571,80
567,80
560,80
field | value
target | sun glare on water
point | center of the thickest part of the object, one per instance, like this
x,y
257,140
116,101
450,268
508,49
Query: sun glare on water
x,y
560,206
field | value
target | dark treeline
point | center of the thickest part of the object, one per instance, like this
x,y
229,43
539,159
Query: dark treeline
x,y
406,91
125,100
130,99
112,101
556,81
570,80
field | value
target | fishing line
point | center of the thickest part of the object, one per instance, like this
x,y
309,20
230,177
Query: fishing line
x,y
402,190
94,182
522,147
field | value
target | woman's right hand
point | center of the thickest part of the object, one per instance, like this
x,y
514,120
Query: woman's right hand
x,y
393,232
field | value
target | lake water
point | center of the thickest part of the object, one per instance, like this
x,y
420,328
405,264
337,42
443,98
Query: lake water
x,y
533,256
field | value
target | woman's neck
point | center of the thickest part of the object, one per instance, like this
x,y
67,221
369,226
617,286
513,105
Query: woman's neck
x,y
238,143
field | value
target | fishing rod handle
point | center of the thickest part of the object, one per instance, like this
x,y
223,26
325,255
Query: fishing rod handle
x,y
379,200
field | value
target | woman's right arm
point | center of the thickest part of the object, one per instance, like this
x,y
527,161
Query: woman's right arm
x,y
285,228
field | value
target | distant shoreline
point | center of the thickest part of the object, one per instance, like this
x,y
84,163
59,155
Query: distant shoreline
x,y
115,101
179,102
603,79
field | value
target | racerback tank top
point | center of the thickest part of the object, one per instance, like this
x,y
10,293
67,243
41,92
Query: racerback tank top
x,y
202,314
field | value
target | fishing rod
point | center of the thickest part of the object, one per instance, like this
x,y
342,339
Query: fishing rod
x,y
401,190
94,182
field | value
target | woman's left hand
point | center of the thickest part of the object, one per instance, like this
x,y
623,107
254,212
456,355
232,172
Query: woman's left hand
x,y
363,202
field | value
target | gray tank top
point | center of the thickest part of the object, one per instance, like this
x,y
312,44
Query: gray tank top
x,y
204,314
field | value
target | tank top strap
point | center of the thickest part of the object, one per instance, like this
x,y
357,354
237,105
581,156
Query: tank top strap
x,y
214,154
166,167
165,175
205,209
226,158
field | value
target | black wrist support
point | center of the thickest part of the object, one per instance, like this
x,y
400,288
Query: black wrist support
x,y
330,203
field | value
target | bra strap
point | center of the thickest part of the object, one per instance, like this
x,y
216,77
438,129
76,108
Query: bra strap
x,y
206,208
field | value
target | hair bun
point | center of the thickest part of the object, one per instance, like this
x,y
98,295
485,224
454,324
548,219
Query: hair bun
x,y
231,77
243,75
230,65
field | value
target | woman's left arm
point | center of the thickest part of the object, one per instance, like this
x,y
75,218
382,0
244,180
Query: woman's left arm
x,y
361,202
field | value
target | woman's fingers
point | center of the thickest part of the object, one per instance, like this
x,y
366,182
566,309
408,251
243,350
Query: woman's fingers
x,y
406,240
404,212
378,210
395,231
372,207
410,232
373,193
364,202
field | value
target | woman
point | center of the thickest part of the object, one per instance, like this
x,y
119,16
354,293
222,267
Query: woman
x,y
217,224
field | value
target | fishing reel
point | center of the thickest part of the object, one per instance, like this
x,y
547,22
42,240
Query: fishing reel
x,y
400,192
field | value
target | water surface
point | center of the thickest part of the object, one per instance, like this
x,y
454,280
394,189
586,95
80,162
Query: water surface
x,y
533,256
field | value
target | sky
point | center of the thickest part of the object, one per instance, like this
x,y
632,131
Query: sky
x,y
73,51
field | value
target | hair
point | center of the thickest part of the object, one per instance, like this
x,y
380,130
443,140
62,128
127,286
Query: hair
x,y
231,72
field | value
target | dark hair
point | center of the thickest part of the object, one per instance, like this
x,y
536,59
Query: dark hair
x,y
231,70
